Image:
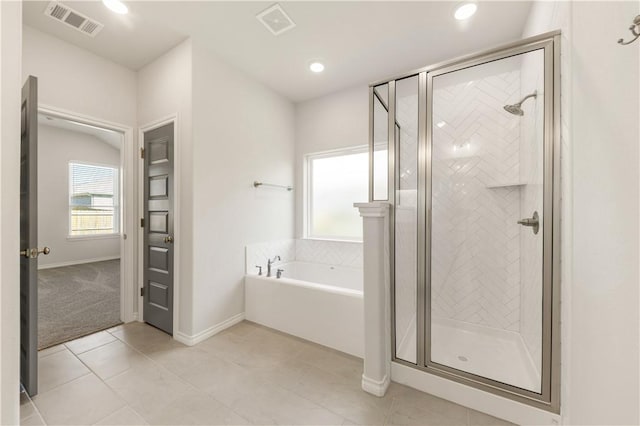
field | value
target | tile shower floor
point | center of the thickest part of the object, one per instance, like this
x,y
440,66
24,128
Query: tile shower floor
x,y
497,354
134,374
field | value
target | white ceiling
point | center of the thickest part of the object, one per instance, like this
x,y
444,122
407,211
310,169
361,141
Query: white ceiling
x,y
359,42
110,137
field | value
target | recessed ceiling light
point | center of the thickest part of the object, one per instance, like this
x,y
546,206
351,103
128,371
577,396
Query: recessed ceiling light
x,y
116,6
465,11
316,67
441,124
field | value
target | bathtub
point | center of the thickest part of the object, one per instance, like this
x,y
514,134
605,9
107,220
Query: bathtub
x,y
316,302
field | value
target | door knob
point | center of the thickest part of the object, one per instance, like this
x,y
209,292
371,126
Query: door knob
x,y
533,222
168,239
34,252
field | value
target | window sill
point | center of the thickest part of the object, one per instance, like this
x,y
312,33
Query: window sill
x,y
332,240
92,237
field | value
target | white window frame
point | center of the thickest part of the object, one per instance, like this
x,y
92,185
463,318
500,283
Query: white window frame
x,y
307,196
117,214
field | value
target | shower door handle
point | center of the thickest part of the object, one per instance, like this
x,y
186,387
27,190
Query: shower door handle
x,y
533,222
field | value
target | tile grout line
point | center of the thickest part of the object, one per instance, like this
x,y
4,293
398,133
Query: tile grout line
x,y
189,384
37,410
299,340
64,383
88,350
91,371
387,414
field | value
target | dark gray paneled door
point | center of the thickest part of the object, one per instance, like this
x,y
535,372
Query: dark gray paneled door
x,y
158,227
29,237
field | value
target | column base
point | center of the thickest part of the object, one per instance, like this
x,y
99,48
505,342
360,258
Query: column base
x,y
375,387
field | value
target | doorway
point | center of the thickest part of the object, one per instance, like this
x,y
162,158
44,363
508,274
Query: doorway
x,y
80,295
80,217
158,226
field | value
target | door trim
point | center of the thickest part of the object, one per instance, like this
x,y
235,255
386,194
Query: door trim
x,y
127,245
172,118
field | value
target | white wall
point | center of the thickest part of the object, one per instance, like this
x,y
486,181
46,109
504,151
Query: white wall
x,y
339,120
164,89
231,131
604,299
10,84
56,148
600,127
77,80
242,132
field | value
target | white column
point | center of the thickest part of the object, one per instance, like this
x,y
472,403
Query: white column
x,y
377,315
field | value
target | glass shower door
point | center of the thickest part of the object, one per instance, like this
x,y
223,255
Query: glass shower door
x,y
486,208
406,219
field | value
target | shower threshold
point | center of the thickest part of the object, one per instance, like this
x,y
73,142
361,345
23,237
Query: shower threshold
x,y
493,353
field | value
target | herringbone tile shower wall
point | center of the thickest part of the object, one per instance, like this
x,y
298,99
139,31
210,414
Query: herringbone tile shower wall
x,y
476,204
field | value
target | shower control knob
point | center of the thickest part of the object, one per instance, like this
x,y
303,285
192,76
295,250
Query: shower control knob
x,y
533,222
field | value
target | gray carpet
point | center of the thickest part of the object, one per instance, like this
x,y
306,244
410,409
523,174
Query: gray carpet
x,y
77,300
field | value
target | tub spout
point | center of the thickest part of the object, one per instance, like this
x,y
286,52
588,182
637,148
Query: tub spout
x,y
271,262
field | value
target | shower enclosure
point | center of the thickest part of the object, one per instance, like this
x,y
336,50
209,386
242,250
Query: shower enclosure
x,y
467,154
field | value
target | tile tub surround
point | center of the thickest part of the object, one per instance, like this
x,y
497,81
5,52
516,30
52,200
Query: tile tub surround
x,y
247,374
257,254
339,253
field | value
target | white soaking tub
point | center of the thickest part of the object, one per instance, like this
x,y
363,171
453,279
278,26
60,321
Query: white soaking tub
x,y
317,302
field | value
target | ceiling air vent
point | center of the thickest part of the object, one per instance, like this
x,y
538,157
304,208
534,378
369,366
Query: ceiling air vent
x,y
73,18
275,19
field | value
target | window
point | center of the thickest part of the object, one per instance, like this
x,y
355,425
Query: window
x,y
335,181
93,200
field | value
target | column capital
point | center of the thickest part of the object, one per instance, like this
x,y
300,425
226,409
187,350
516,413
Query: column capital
x,y
373,209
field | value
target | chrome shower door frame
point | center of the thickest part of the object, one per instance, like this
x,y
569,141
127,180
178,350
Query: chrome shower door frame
x,y
549,398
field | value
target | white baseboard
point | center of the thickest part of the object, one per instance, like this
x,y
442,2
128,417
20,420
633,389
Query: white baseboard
x,y
375,387
132,318
77,262
213,330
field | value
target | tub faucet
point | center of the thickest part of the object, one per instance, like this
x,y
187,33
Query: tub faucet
x,y
271,262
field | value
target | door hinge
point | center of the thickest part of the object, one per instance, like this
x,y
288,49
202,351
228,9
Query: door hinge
x,y
142,291
141,152
142,222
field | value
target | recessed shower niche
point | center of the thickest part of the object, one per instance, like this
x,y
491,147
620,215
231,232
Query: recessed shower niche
x,y
471,165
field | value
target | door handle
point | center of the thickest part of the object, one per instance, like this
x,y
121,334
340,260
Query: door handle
x,y
168,239
533,222
34,252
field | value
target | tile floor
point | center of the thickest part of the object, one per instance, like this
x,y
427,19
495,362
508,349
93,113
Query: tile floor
x,y
134,375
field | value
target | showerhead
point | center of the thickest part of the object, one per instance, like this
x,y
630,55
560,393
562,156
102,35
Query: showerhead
x,y
516,109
